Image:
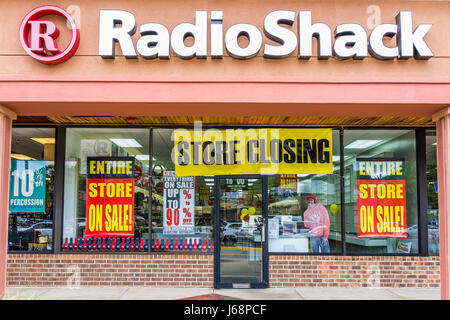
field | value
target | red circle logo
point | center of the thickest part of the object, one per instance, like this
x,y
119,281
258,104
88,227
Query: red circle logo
x,y
38,36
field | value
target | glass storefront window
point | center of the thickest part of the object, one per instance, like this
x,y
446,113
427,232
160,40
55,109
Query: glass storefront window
x,y
381,191
304,210
107,197
186,225
106,190
432,188
32,176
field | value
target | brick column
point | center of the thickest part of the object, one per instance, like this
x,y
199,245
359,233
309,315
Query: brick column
x,y
442,119
6,118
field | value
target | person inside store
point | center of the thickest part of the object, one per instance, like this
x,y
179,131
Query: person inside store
x,y
317,221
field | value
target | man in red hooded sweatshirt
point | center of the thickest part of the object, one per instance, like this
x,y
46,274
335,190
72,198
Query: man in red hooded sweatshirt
x,y
317,221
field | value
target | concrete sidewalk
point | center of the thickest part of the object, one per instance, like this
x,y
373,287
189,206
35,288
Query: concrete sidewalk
x,y
146,293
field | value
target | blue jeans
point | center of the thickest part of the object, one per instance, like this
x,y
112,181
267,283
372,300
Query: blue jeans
x,y
317,242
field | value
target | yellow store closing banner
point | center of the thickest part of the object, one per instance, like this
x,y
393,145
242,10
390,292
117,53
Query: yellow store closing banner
x,y
253,151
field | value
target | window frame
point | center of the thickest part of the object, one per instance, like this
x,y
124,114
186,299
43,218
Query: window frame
x,y
55,227
62,159
420,204
425,193
58,196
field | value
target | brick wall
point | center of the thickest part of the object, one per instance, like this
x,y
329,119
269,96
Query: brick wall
x,y
361,271
169,270
110,270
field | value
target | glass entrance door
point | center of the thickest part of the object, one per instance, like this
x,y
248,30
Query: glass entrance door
x,y
240,215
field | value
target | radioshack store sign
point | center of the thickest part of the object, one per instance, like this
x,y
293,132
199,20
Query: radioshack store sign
x,y
38,37
351,40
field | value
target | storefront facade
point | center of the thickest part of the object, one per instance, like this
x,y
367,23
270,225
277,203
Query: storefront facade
x,y
225,145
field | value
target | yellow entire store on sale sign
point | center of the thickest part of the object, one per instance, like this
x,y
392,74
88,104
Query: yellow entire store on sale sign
x,y
253,151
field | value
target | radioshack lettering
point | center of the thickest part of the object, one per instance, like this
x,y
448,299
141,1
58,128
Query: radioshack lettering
x,y
110,197
253,151
351,41
381,199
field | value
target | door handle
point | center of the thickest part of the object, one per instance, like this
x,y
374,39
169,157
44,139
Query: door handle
x,y
263,232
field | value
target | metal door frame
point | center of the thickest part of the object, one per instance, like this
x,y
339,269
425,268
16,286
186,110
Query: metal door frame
x,y
265,255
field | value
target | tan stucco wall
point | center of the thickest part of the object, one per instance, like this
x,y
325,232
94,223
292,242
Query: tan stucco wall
x,y
25,81
13,60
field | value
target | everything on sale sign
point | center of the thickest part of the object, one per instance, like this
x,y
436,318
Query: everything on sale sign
x,y
179,201
110,197
381,198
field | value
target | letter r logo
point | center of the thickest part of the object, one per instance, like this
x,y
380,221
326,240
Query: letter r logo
x,y
43,34
38,37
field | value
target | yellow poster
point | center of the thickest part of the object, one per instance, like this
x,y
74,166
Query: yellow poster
x,y
253,151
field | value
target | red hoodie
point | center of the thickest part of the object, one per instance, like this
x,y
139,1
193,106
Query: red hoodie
x,y
317,221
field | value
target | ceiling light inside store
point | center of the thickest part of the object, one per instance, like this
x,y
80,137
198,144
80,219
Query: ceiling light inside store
x,y
361,144
44,140
338,158
18,156
434,144
143,157
126,143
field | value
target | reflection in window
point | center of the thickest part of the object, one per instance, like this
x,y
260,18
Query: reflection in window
x,y
304,210
432,187
118,151
375,213
32,175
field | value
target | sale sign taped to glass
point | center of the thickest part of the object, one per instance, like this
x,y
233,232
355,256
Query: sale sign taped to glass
x,y
110,197
27,186
204,193
381,198
287,181
179,204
